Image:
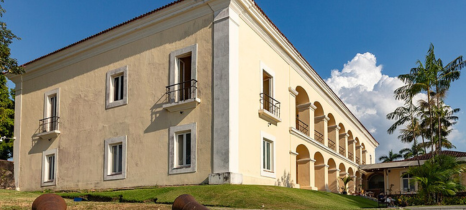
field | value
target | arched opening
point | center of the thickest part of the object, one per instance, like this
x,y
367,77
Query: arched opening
x,y
364,151
302,111
343,140
351,184
358,150
350,147
303,175
376,183
332,132
332,176
319,170
343,173
319,122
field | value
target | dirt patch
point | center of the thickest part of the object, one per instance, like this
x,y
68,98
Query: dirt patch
x,y
7,177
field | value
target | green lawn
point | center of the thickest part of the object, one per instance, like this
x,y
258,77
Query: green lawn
x,y
237,196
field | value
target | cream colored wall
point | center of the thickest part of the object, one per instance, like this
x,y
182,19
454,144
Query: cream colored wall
x,y
254,51
85,123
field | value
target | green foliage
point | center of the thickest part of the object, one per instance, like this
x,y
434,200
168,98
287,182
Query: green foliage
x,y
391,157
346,180
7,112
7,64
438,177
414,151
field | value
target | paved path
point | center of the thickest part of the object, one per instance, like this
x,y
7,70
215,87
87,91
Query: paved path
x,y
437,208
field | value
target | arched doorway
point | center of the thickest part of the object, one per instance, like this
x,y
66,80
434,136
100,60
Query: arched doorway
x,y
351,183
319,170
302,111
332,176
303,176
375,183
343,173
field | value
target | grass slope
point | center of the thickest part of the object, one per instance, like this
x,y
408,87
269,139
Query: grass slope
x,y
238,196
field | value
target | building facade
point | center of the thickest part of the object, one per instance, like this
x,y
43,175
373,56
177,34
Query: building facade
x,y
193,92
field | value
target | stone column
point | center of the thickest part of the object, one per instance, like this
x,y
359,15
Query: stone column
x,y
225,140
312,174
359,151
293,171
293,94
345,136
326,178
352,146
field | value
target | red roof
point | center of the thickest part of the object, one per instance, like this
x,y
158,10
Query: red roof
x,y
429,155
178,1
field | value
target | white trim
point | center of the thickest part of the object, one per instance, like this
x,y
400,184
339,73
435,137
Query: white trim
x,y
293,92
173,131
45,168
270,138
107,170
109,101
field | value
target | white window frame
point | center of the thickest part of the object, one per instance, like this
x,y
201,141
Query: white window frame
x,y
173,135
109,95
401,183
46,167
108,175
47,103
270,138
174,67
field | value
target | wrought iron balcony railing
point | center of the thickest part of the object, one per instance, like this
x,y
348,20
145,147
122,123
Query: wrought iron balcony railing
x,y
303,127
182,91
331,144
350,155
357,160
270,104
342,151
364,162
318,136
48,124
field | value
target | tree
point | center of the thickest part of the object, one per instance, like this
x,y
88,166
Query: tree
x,y
414,151
438,176
391,157
8,65
346,180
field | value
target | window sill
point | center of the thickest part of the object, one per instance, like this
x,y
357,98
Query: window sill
x,y
271,118
269,174
48,183
182,105
48,135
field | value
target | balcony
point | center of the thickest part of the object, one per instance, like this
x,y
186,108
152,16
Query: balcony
x,y
363,162
301,126
318,137
350,155
182,96
48,128
332,145
270,109
342,151
358,160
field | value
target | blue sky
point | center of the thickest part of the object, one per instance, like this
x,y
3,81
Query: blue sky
x,y
365,43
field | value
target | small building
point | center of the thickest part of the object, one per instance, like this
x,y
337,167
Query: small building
x,y
193,92
391,177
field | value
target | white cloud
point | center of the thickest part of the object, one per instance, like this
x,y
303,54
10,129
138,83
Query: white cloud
x,y
369,95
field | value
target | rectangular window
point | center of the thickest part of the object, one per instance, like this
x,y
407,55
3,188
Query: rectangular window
x,y
267,154
267,89
183,74
183,149
184,78
117,156
408,183
51,167
117,87
118,84
51,111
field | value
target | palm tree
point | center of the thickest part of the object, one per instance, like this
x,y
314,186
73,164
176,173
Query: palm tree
x,y
414,151
346,180
391,157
